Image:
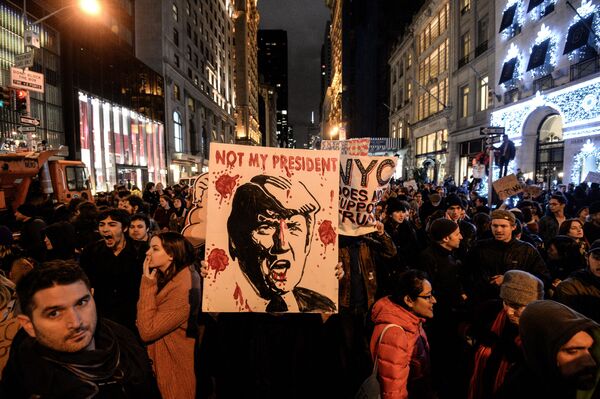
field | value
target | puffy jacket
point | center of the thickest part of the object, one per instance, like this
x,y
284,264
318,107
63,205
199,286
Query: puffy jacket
x,y
403,354
581,292
491,257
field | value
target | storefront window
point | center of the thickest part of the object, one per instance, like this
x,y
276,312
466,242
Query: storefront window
x,y
137,145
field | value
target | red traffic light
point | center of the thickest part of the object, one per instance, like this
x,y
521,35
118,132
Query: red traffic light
x,y
21,94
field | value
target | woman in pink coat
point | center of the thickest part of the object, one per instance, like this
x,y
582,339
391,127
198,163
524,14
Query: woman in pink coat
x,y
403,353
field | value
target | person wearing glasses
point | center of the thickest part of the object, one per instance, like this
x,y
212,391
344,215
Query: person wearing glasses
x,y
496,332
550,224
402,355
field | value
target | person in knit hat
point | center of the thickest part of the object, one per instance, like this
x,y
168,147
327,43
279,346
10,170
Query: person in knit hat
x,y
581,291
456,211
561,355
439,261
491,258
496,332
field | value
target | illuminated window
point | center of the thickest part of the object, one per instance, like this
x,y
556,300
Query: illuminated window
x,y
464,101
483,93
175,12
177,132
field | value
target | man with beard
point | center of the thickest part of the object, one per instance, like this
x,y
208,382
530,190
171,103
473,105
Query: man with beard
x,y
561,355
272,240
114,266
64,350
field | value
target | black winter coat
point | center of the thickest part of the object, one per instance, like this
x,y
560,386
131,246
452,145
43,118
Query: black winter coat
x,y
491,257
35,371
115,279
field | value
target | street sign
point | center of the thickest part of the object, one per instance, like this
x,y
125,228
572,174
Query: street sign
x,y
24,60
27,129
28,80
491,130
32,39
27,120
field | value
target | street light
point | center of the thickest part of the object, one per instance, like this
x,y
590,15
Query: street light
x,y
90,7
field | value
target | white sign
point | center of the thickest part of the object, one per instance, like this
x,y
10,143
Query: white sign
x,y
26,120
26,129
24,60
28,80
32,39
491,130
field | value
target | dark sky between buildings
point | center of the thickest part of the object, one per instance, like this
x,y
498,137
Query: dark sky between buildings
x,y
304,21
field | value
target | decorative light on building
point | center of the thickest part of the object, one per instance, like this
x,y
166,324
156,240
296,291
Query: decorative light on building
x,y
518,19
586,9
551,53
578,104
542,9
512,53
587,150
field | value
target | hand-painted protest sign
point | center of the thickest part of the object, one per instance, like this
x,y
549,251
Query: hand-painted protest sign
x,y
411,184
195,222
363,181
507,187
348,147
592,177
272,243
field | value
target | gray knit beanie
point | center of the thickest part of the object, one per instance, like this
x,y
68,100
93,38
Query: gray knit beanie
x,y
520,287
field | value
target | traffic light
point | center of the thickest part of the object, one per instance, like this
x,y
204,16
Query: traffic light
x,y
21,101
5,97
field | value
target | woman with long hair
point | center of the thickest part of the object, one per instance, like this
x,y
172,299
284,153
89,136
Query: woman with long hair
x,y
162,215
574,228
402,353
179,213
166,318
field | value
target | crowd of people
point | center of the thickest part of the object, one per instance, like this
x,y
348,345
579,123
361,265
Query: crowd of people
x,y
447,298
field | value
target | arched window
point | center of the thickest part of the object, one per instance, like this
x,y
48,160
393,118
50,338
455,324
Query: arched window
x,y
177,132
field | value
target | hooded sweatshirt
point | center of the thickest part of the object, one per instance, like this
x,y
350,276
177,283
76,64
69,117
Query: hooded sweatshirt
x,y
402,354
544,327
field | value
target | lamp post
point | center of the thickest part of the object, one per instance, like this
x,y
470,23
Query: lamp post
x,y
90,7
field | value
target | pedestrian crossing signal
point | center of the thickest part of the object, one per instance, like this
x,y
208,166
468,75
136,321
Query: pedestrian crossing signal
x,y
5,97
21,101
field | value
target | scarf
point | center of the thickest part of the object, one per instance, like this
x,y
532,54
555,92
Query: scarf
x,y
477,386
96,366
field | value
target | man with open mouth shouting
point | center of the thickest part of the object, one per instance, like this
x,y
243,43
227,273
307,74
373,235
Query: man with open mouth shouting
x,y
114,266
271,238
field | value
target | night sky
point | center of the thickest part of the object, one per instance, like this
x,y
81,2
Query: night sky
x,y
304,21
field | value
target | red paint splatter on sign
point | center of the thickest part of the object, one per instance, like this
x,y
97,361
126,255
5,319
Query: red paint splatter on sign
x,y
326,233
225,185
217,260
331,195
237,295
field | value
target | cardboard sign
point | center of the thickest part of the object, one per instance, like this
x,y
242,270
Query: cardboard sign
x,y
272,244
507,187
592,177
348,147
533,191
195,221
363,181
411,184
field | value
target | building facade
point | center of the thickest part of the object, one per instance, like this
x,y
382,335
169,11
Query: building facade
x,y
192,45
246,21
548,79
273,71
267,115
332,125
47,106
472,90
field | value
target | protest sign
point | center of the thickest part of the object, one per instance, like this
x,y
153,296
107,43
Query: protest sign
x,y
272,243
507,187
592,177
348,147
363,181
411,184
532,190
195,222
